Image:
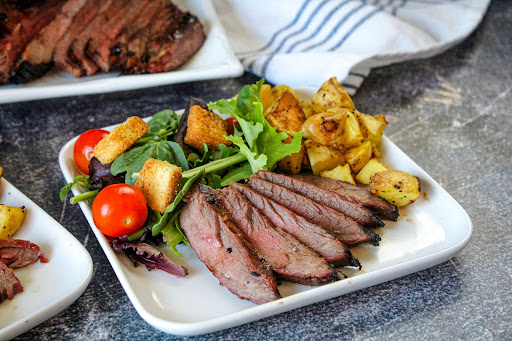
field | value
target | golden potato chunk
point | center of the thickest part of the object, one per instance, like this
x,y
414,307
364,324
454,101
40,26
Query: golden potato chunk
x,y
120,139
204,126
1,172
373,166
322,157
358,157
266,96
352,135
279,89
372,127
332,95
307,108
159,181
342,173
11,219
292,163
326,128
397,187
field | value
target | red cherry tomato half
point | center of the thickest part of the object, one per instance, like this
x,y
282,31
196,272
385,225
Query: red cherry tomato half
x,y
84,145
119,210
231,121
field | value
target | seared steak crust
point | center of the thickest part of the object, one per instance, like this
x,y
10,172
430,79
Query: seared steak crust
x,y
344,228
334,200
223,248
380,206
288,258
312,235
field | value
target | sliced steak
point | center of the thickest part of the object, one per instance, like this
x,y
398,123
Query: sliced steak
x,y
380,206
9,284
311,235
176,47
37,58
288,257
61,55
344,228
19,253
18,27
223,249
340,203
95,28
100,48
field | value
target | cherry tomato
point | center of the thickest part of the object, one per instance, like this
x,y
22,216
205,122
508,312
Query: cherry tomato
x,y
231,121
84,145
119,210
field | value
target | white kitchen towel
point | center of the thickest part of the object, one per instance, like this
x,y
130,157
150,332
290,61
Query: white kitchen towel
x,y
305,42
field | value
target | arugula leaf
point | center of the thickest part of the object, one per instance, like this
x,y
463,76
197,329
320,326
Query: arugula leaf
x,y
248,97
82,180
236,174
173,235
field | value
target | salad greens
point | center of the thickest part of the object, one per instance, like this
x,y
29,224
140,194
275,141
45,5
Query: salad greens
x,y
256,145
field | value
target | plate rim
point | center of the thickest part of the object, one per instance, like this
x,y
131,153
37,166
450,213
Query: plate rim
x,y
287,303
35,318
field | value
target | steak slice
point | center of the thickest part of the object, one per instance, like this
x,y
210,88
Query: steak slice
x,y
344,228
100,48
61,54
19,253
9,284
223,249
288,258
37,58
17,28
334,200
380,206
95,28
176,47
311,235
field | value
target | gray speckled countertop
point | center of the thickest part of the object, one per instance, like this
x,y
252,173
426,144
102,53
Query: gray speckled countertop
x,y
452,114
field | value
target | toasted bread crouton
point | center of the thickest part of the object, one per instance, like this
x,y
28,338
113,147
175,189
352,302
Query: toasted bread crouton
x,y
204,126
159,181
120,139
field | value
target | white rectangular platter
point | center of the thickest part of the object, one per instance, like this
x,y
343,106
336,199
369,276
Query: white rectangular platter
x,y
214,60
428,232
48,288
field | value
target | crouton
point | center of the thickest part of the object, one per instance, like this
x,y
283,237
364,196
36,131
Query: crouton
x,y
120,139
204,126
159,181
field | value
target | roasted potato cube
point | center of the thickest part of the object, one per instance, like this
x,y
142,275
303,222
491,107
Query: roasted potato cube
x,y
372,128
352,135
322,157
358,157
342,173
307,108
373,166
1,172
204,126
159,181
376,152
326,128
286,114
332,95
292,163
120,139
266,96
279,89
11,219
397,187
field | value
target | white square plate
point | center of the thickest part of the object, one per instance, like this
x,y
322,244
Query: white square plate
x,y
428,232
48,288
214,60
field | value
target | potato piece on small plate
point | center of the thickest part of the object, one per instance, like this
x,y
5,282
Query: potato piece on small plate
x,y
352,135
342,173
397,187
327,127
11,219
357,157
322,157
332,95
373,166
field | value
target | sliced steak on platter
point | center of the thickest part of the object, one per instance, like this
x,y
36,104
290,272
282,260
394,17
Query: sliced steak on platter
x,y
312,235
9,283
19,253
223,248
344,228
288,257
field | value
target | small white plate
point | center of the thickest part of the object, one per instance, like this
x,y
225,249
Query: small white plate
x,y
214,60
48,288
428,232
